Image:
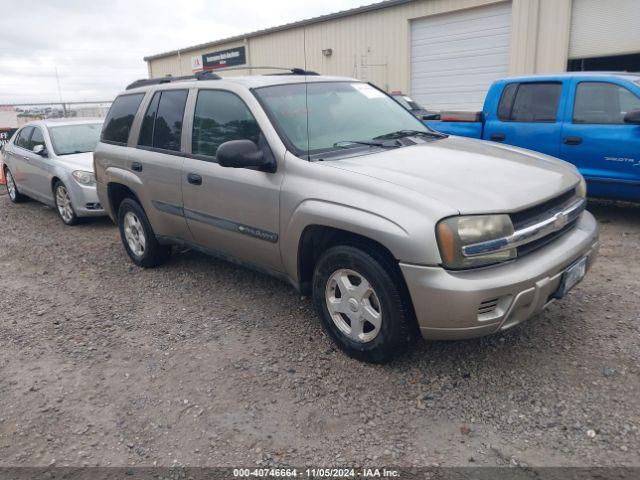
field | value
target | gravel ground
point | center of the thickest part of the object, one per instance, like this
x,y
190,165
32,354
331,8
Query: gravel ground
x,y
204,363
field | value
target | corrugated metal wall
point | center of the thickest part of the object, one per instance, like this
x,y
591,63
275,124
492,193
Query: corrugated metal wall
x,y
375,46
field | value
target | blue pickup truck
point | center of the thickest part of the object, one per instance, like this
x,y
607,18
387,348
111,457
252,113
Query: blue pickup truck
x,y
589,119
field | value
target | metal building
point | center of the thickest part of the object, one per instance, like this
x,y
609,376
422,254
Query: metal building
x,y
445,53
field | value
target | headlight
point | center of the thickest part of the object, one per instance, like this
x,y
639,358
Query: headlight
x,y
84,178
456,232
581,189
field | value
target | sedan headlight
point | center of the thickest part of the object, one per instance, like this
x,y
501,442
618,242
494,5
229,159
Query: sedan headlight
x,y
454,233
581,189
84,178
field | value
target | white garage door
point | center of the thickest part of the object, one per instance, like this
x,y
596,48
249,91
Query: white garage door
x,y
456,56
600,29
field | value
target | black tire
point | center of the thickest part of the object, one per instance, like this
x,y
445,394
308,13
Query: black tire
x,y
398,323
17,197
72,218
153,253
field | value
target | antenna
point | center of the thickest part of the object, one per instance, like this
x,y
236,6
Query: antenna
x,y
64,110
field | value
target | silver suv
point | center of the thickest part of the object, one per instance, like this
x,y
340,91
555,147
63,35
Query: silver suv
x,y
329,184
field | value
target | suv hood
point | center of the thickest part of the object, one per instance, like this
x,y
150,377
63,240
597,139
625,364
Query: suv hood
x,y
471,176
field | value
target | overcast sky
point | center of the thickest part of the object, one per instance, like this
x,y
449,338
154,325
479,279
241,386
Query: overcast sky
x,y
97,45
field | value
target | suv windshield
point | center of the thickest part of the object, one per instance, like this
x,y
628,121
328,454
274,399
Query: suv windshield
x,y
340,114
69,139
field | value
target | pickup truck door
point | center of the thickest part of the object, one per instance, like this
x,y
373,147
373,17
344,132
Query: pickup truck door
x,y
528,115
596,139
230,211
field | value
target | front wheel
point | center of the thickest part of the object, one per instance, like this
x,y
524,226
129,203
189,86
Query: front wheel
x,y
14,195
360,302
63,204
137,236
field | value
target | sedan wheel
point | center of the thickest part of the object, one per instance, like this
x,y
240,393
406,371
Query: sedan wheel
x,y
63,203
11,186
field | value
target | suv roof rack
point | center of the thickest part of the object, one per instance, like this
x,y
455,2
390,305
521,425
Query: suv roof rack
x,y
144,82
209,75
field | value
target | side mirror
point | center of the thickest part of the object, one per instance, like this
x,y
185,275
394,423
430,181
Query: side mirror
x,y
40,150
241,154
633,117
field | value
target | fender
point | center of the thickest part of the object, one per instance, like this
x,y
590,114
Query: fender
x,y
310,212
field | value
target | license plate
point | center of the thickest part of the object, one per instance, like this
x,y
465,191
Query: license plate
x,y
571,277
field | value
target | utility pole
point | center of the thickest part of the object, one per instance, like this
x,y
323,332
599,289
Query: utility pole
x,y
64,109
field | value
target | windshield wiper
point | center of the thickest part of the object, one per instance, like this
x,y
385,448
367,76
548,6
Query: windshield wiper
x,y
346,143
411,133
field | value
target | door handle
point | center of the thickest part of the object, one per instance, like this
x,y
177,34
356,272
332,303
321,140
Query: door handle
x,y
194,179
498,137
136,166
572,140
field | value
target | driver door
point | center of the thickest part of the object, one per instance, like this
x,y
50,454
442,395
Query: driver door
x,y
231,211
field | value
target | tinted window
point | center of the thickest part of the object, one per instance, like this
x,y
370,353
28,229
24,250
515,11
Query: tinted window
x,y
36,138
536,102
603,103
220,117
146,131
22,140
506,101
167,128
120,117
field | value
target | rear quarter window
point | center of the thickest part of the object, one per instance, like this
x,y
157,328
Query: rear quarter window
x,y
117,124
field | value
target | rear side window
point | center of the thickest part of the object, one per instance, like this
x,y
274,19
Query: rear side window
x,y
120,117
603,103
162,124
22,140
530,102
167,128
220,117
506,101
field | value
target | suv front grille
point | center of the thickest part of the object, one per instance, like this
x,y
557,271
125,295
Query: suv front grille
x,y
538,213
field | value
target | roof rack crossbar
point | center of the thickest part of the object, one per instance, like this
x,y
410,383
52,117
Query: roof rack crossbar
x,y
145,82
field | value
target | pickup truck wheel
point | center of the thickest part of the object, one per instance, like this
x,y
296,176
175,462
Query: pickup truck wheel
x,y
14,195
360,305
138,238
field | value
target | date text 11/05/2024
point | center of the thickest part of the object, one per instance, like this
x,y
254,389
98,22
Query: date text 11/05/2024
x,y
316,472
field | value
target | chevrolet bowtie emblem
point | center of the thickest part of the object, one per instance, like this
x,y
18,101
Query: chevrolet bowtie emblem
x,y
560,221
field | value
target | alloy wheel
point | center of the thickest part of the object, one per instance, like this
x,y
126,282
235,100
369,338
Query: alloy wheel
x,y
134,234
354,305
63,202
11,185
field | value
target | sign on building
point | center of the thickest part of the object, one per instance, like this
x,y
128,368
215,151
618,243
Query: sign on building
x,y
196,64
224,58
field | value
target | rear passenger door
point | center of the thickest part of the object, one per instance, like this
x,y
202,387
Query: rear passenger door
x,y
158,161
529,115
232,211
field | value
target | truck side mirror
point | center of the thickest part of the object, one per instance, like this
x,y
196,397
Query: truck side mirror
x,y
633,117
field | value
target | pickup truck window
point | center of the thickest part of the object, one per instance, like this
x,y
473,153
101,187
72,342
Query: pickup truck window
x,y
336,112
603,103
530,102
220,117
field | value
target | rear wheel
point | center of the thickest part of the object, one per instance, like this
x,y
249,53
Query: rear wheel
x,y
63,204
137,236
12,189
360,303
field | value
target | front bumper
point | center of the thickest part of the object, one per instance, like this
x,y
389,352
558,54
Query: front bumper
x,y
84,199
465,304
